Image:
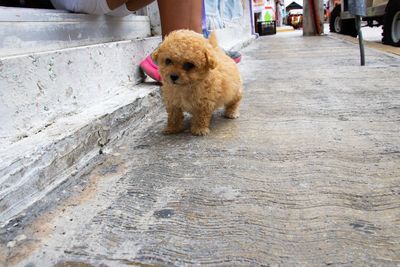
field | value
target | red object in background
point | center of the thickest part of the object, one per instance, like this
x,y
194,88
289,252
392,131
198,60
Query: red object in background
x,y
315,17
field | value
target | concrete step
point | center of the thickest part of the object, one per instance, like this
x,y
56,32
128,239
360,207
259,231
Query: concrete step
x,y
28,30
34,166
58,108
39,88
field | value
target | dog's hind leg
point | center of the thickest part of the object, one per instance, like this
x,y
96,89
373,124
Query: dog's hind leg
x,y
232,108
175,121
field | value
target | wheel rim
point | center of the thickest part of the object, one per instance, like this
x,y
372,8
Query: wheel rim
x,y
396,27
337,24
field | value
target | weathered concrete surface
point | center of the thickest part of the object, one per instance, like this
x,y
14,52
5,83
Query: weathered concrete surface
x,y
57,109
38,89
36,165
308,175
27,30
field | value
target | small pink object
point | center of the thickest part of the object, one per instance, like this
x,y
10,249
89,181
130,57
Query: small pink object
x,y
237,59
150,68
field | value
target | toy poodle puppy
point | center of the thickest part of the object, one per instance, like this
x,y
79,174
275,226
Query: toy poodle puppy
x,y
197,77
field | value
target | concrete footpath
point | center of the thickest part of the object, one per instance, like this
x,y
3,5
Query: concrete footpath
x,y
309,175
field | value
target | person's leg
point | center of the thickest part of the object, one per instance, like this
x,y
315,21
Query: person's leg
x,y
175,14
126,8
180,14
132,5
113,4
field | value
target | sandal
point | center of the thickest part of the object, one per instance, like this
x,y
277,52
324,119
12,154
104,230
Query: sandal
x,y
235,55
150,68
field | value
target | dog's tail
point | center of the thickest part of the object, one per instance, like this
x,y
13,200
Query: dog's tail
x,y
213,39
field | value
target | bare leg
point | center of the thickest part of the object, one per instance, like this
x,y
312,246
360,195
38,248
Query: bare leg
x,y
113,4
132,5
175,14
180,14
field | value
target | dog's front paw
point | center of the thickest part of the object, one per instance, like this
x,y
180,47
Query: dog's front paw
x,y
200,131
170,130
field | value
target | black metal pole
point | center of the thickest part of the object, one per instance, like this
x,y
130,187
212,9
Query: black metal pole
x,y
360,40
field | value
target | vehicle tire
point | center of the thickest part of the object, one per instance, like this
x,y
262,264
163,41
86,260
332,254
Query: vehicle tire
x,y
391,24
336,24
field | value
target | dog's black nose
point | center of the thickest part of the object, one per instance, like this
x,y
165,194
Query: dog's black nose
x,y
174,77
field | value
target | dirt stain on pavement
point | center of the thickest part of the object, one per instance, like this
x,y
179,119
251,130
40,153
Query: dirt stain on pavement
x,y
44,226
73,264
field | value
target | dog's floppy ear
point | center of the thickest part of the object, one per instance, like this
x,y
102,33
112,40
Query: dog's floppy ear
x,y
210,59
154,55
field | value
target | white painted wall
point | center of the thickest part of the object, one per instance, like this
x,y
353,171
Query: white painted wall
x,y
237,33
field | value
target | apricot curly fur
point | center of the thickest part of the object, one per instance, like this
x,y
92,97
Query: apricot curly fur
x,y
198,77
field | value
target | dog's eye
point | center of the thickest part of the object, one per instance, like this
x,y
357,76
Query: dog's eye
x,y
188,66
168,61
